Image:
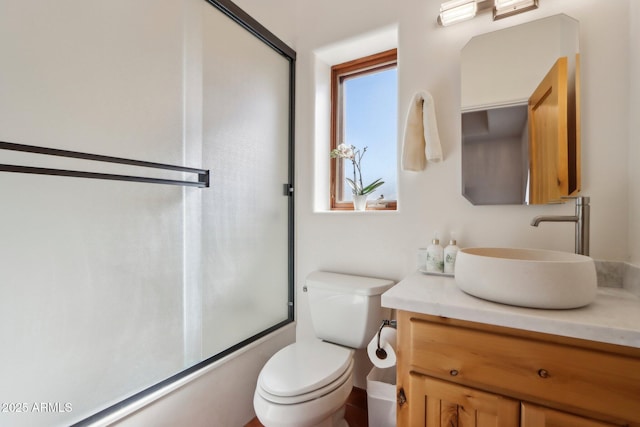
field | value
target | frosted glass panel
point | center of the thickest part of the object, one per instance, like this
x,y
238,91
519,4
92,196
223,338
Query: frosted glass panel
x,y
108,288
244,215
90,296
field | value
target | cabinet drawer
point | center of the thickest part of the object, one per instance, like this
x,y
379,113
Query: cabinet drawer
x,y
583,379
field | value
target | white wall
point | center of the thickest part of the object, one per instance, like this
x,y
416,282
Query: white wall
x,y
634,134
384,244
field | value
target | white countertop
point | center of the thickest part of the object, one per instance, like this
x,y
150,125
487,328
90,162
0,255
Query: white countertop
x,y
614,317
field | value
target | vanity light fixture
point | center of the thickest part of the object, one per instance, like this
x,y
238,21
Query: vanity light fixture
x,y
455,11
506,8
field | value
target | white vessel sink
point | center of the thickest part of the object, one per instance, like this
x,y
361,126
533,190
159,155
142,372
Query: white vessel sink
x,y
527,277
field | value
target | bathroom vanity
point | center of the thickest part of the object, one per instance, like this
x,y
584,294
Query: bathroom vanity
x,y
463,361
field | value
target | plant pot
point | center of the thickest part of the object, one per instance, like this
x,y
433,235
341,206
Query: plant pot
x,y
359,202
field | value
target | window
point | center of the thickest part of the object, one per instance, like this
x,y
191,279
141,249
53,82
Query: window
x,y
364,114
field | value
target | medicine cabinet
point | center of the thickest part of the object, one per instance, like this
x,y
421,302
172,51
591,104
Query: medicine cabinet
x,y
521,113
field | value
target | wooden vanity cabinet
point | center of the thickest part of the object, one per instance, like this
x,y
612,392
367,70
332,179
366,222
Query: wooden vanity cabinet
x,y
539,416
436,403
456,373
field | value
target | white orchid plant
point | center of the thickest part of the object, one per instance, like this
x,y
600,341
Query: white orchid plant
x,y
350,152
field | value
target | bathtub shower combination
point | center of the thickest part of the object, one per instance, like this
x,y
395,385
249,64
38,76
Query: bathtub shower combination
x,y
120,276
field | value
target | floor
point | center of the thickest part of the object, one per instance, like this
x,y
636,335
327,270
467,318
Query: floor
x,y
356,411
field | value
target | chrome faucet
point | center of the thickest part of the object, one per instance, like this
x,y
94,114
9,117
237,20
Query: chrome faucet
x,y
581,218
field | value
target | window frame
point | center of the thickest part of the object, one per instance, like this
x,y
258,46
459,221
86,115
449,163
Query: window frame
x,y
339,73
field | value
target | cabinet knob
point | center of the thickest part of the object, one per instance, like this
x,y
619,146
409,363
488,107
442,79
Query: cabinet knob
x,y
453,372
543,373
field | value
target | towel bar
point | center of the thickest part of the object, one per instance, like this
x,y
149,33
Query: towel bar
x,y
203,175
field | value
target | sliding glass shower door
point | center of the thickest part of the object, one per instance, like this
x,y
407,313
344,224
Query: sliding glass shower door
x,y
110,290
245,215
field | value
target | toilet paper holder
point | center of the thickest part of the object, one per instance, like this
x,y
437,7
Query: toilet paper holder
x,y
380,352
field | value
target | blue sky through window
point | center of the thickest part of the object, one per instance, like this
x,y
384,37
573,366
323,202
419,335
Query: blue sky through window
x,y
370,120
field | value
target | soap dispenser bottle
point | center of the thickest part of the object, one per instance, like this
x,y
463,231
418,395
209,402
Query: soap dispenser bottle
x,y
435,257
450,253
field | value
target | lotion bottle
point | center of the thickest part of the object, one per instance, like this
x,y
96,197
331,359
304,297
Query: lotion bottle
x,y
450,253
435,257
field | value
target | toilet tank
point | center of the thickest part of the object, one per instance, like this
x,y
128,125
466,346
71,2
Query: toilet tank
x,y
346,309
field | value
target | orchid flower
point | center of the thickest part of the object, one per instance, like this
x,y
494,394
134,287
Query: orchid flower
x,y
350,152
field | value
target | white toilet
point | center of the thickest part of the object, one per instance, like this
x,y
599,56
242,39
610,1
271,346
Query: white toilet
x,y
307,383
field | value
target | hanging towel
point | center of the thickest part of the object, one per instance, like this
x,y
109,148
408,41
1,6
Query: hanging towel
x,y
421,139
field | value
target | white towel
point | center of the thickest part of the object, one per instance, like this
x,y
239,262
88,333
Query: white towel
x,y
421,139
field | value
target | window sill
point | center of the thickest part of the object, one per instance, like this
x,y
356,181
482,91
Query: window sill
x,y
352,212
387,206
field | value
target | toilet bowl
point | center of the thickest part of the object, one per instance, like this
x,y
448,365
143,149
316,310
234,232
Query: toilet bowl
x,y
307,383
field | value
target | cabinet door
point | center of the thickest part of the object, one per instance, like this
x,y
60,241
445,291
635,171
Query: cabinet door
x,y
435,403
538,416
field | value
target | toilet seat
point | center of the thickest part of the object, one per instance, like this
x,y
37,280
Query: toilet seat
x,y
304,371
324,410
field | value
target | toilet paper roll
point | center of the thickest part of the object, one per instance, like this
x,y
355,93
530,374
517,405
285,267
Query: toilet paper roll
x,y
388,344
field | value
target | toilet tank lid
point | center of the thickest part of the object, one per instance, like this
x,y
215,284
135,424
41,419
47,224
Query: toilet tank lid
x,y
347,283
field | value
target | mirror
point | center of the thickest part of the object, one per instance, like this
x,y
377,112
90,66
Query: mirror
x,y
520,114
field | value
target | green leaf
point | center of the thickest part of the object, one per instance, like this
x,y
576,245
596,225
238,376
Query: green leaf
x,y
372,187
354,186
